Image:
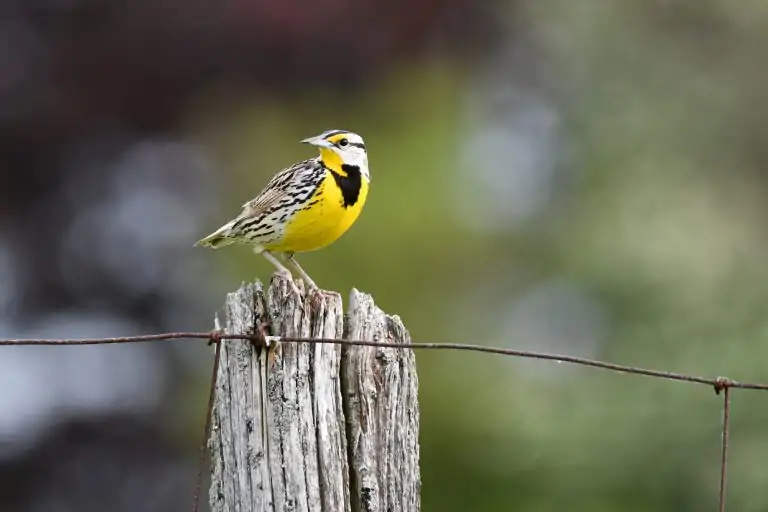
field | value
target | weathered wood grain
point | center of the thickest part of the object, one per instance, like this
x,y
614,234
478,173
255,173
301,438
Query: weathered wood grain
x,y
380,388
279,426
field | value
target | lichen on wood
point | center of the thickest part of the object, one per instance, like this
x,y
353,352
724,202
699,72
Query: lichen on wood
x,y
313,426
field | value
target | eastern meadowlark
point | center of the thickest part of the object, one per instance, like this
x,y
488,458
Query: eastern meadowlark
x,y
306,206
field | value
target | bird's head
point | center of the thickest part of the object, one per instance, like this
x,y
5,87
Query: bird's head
x,y
339,148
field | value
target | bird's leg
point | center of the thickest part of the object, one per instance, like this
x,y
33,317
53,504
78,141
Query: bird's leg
x,y
295,264
280,269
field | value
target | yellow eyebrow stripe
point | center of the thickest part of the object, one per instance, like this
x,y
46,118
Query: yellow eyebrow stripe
x,y
336,138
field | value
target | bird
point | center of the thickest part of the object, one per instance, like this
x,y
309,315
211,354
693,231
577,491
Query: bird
x,y
304,207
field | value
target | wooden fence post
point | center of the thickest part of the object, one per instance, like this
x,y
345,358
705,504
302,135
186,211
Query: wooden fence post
x,y
314,427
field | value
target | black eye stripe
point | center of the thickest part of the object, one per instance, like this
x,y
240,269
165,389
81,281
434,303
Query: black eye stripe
x,y
357,144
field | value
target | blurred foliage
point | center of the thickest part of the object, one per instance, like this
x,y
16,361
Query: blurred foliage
x,y
649,250
661,220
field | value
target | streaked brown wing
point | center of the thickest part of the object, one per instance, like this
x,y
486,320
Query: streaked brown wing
x,y
274,190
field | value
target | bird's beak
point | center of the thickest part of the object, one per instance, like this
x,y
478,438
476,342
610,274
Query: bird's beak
x,y
318,141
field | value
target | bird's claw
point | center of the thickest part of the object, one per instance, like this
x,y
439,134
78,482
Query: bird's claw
x,y
310,287
295,288
289,278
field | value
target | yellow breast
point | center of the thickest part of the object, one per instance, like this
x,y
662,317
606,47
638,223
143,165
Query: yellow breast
x,y
323,219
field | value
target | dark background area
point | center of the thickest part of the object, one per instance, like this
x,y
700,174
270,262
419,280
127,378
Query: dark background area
x,y
578,177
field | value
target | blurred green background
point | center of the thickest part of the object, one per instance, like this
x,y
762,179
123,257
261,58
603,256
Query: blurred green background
x,y
640,127
586,178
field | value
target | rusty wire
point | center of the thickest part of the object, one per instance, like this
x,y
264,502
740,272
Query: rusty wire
x,y
719,384
259,338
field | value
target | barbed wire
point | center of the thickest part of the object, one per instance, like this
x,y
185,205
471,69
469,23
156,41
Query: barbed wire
x,y
716,382
719,384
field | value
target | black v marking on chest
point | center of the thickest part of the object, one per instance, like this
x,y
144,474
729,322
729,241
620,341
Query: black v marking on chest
x,y
350,184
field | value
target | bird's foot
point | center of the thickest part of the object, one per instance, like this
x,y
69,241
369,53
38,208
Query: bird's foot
x,y
311,287
289,277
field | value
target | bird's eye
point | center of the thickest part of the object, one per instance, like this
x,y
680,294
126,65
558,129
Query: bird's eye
x,y
343,143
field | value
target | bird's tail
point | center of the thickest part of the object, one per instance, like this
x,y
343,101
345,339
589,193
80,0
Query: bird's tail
x,y
218,238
